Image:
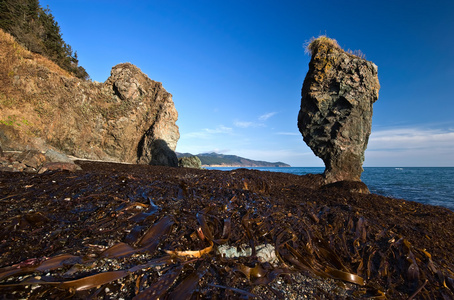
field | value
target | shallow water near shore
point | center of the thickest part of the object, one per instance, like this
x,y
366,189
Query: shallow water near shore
x,y
434,186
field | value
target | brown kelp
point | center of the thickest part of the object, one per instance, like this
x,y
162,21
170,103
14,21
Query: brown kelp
x,y
146,232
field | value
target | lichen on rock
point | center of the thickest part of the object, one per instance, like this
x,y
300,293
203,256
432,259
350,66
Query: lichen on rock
x,y
335,117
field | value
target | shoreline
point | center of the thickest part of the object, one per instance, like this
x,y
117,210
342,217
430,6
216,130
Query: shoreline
x,y
110,217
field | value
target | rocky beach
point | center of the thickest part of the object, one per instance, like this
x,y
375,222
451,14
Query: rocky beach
x,y
128,231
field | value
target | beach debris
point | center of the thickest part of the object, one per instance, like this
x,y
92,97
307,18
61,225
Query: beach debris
x,y
158,232
265,252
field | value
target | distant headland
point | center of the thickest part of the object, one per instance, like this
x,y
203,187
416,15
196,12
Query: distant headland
x,y
214,159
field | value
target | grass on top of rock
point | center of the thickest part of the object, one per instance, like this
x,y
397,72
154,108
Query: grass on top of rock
x,y
314,43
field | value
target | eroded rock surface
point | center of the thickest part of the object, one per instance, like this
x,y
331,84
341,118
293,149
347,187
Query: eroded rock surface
x,y
336,109
151,125
190,162
128,118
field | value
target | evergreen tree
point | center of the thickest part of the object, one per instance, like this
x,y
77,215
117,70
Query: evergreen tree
x,y
36,29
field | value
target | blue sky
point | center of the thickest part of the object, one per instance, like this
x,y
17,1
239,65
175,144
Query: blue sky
x,y
235,68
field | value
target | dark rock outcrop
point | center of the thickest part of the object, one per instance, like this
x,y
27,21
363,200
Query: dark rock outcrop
x,y
336,108
128,118
190,162
33,161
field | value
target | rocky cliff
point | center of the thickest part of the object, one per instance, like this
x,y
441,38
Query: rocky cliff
x,y
336,108
128,118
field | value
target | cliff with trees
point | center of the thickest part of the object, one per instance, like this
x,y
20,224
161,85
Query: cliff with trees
x,y
35,28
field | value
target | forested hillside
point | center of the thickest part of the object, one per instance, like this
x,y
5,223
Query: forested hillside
x,y
35,28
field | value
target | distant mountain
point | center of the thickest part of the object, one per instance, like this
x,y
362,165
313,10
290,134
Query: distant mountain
x,y
220,160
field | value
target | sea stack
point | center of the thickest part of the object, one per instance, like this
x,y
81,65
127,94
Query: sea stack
x,y
335,118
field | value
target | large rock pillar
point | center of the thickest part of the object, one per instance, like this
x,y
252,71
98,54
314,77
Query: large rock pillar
x,y
336,108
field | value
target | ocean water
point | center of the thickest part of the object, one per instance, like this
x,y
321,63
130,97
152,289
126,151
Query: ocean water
x,y
433,186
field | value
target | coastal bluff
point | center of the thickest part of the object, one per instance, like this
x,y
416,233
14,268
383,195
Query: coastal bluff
x,y
335,117
128,118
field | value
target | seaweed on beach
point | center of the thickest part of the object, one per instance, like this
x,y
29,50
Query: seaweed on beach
x,y
143,232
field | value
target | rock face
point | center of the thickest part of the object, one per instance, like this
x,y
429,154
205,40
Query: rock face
x,y
128,118
155,136
190,162
336,108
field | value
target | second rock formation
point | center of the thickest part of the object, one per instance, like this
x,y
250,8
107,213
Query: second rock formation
x,y
129,118
336,108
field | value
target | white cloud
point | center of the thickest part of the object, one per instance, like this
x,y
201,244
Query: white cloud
x,y
244,124
411,138
250,124
267,116
411,147
207,133
289,133
220,129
